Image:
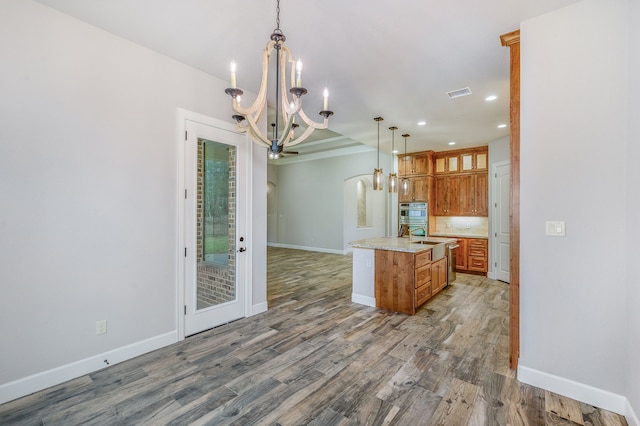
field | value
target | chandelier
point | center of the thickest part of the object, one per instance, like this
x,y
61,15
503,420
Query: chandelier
x,y
289,106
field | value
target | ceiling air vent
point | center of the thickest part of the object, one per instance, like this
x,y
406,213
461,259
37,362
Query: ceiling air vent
x,y
460,92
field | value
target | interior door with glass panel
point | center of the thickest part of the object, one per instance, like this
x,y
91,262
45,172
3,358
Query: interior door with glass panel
x,y
215,222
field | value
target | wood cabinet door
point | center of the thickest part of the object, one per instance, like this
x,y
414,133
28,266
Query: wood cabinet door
x,y
461,255
420,188
421,164
405,165
438,275
481,196
474,160
481,160
455,187
466,195
441,187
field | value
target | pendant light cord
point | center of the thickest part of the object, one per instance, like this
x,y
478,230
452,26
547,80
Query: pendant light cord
x,y
378,143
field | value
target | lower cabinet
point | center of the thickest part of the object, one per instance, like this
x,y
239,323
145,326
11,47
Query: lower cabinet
x,y
472,255
439,275
478,255
405,281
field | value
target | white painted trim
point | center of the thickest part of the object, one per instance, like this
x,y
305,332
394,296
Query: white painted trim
x,y
258,308
363,300
575,390
318,249
184,118
630,415
36,382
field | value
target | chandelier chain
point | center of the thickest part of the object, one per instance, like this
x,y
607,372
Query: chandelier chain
x,y
277,14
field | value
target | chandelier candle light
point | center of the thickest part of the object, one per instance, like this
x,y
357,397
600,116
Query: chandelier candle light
x,y
247,118
405,185
393,177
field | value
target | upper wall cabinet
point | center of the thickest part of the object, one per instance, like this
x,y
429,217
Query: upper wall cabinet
x,y
446,163
474,161
415,164
461,161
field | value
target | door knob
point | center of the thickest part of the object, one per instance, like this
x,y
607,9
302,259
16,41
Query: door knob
x,y
242,249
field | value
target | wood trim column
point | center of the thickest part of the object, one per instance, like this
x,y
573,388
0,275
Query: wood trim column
x,y
512,40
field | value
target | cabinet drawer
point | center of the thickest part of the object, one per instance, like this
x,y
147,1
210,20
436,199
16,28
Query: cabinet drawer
x,y
422,259
423,275
477,264
478,252
423,293
478,243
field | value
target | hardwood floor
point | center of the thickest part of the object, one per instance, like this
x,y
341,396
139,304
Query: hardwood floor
x,y
315,358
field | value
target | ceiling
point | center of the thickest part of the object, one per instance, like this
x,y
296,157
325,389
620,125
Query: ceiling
x,y
395,59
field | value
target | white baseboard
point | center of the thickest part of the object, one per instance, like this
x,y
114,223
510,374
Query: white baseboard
x,y
259,308
630,415
318,249
28,385
363,300
579,391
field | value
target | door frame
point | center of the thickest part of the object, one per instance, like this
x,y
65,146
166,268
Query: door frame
x,y
184,117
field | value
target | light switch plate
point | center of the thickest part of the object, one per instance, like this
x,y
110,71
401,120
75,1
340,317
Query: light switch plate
x,y
554,228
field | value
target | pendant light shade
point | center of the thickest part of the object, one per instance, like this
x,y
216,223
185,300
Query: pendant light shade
x,y
393,177
378,177
405,185
378,180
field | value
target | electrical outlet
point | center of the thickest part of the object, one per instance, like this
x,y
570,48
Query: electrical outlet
x,y
101,327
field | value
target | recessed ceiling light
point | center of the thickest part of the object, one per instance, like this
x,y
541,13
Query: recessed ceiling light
x,y
452,143
501,126
491,98
422,123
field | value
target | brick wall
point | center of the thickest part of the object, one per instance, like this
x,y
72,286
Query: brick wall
x,y
216,282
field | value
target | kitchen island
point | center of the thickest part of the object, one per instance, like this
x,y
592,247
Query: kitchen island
x,y
398,273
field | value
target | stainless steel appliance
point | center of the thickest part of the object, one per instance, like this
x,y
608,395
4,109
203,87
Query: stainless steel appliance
x,y
414,215
451,253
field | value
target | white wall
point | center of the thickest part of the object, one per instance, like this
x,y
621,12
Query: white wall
x,y
633,208
88,174
377,202
310,198
574,309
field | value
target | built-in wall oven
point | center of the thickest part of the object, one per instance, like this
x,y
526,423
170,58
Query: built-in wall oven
x,y
414,215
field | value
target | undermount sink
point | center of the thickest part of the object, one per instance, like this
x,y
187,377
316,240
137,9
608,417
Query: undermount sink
x,y
438,250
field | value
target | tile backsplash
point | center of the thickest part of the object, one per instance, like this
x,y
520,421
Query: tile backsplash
x,y
459,225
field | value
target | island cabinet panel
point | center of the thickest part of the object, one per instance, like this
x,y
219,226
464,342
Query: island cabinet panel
x,y
394,281
403,281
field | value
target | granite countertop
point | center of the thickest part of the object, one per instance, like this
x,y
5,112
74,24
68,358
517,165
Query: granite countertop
x,y
400,243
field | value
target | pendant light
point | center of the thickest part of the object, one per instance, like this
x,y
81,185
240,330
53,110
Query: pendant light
x,y
393,177
405,185
378,177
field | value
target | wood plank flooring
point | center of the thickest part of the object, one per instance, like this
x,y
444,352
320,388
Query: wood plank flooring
x,y
315,358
